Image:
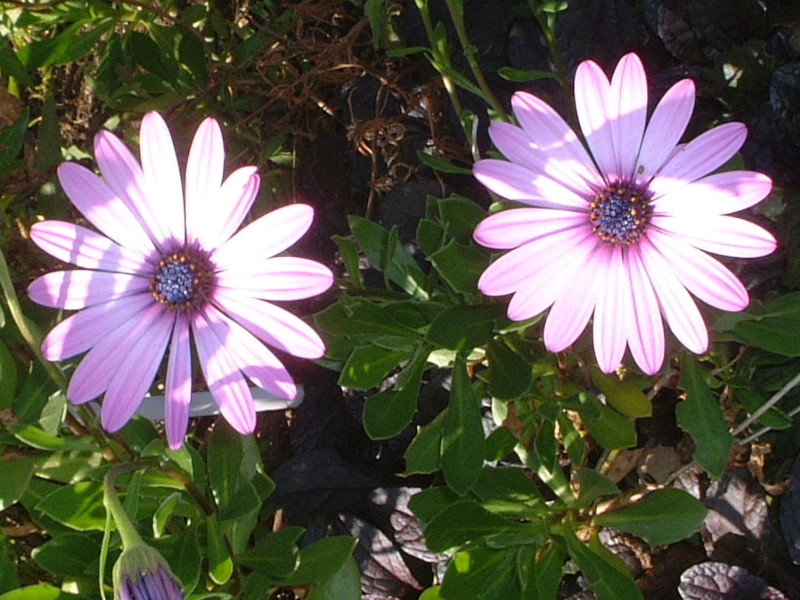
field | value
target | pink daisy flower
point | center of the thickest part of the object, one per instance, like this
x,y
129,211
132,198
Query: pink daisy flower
x,y
170,268
620,230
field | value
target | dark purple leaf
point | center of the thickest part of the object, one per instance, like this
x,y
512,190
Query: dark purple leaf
x,y
718,581
790,514
407,531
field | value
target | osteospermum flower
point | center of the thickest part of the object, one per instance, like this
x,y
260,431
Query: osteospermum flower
x,y
170,268
622,229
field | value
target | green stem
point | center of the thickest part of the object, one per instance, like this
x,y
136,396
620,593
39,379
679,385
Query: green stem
x,y
130,537
457,15
767,405
30,337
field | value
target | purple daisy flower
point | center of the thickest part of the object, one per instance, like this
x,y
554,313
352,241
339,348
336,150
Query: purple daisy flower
x,y
170,270
622,230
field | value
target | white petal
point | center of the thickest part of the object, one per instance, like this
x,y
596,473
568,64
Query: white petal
x,y
595,109
178,393
628,99
73,290
280,278
204,170
728,236
612,310
645,330
514,227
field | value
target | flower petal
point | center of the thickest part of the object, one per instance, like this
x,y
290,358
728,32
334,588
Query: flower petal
x,y
160,168
255,360
594,105
83,330
728,236
84,248
509,272
676,304
280,278
665,129
204,170
517,226
229,207
516,182
266,236
701,156
571,310
72,290
93,375
225,381
645,330
702,275
628,100
271,324
124,176
717,194
178,393
95,200
612,310
136,372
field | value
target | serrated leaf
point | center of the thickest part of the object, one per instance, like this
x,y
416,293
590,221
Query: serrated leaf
x,y
701,416
665,516
462,327
368,366
719,581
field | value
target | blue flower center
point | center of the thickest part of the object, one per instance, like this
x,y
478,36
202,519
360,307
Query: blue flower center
x,y
620,213
183,280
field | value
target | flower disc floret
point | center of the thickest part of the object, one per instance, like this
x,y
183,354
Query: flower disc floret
x,y
183,280
617,231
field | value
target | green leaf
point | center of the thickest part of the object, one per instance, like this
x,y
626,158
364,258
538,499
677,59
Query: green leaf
x,y
439,164
481,574
368,366
220,563
428,503
322,560
460,265
37,592
345,584
422,454
164,512
622,395
78,506
36,438
509,375
524,75
463,443
147,53
10,64
509,492
348,250
541,571
225,456
665,516
594,485
387,413
571,438
462,522
49,136
69,555
15,474
610,429
460,216
186,560
276,554
192,54
462,327
701,416
606,580
12,138
772,325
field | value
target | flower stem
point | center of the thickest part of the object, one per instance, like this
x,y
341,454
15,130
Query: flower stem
x,y
30,337
130,537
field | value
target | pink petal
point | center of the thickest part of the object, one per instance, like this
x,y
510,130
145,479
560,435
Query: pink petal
x,y
613,309
136,372
178,393
224,379
541,287
516,182
281,278
160,168
677,306
271,324
265,237
702,275
728,236
509,272
645,330
594,105
227,208
514,227
255,360
72,290
81,331
95,371
84,248
95,200
571,310
717,194
204,170
628,101
124,176
667,124
701,156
